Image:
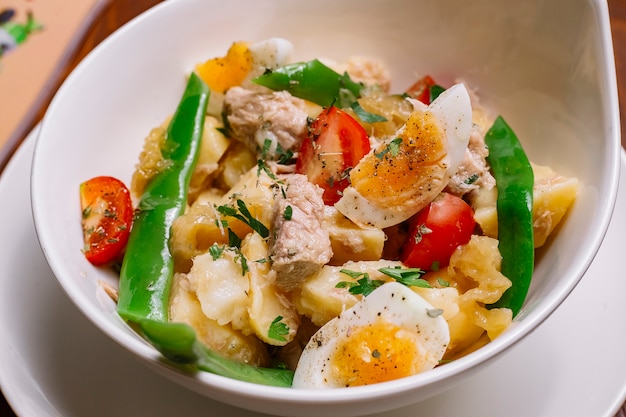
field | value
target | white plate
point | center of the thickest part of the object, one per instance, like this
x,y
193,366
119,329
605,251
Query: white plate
x,y
53,362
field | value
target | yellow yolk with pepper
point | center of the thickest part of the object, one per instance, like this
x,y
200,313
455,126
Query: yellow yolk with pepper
x,y
406,167
375,353
407,171
391,333
224,72
242,62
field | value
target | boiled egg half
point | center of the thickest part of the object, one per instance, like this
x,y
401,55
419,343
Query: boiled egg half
x,y
407,171
392,333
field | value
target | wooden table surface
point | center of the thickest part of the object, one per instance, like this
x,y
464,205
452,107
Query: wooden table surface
x,y
117,12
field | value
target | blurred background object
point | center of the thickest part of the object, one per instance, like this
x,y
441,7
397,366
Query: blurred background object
x,y
32,71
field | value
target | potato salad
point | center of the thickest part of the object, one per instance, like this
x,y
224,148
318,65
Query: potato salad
x,y
299,224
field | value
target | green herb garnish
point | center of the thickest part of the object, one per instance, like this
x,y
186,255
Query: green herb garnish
x,y
216,251
392,148
242,213
288,213
364,285
242,260
443,282
278,330
234,241
366,116
411,277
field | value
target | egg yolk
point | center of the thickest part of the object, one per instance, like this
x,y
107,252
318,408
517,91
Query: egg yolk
x,y
375,353
403,168
222,73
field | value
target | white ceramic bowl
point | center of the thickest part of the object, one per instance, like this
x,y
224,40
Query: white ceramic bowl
x,y
547,66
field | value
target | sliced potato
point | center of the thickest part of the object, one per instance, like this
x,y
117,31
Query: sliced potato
x,y
267,302
474,271
212,147
222,288
553,195
185,308
237,161
350,241
202,225
321,300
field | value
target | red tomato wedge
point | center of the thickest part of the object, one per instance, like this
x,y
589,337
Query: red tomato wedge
x,y
335,144
107,215
436,231
420,90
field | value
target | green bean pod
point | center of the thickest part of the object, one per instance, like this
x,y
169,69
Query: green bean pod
x,y
311,81
514,182
178,342
148,266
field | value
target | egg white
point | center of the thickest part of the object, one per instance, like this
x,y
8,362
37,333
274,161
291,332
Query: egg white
x,y
270,53
453,109
393,303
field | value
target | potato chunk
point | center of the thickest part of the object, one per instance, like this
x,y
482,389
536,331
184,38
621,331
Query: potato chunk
x,y
474,271
350,241
553,195
321,300
212,147
267,302
185,308
222,288
202,225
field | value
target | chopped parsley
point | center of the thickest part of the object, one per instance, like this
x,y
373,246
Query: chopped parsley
x,y
471,180
411,277
242,260
284,155
262,166
288,213
435,91
364,284
352,274
278,330
216,251
279,186
366,116
221,223
267,144
443,282
234,241
392,148
242,213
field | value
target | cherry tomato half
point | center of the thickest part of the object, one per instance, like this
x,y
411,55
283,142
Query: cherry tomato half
x,y
335,144
436,231
420,90
107,214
